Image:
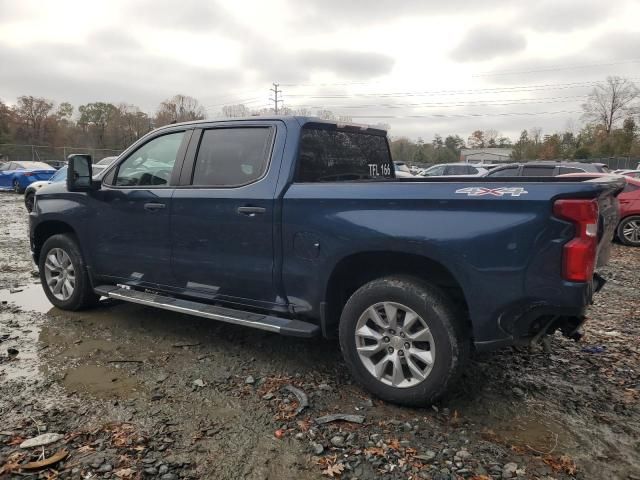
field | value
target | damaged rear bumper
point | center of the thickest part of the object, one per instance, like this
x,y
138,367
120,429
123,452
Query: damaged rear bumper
x,y
529,323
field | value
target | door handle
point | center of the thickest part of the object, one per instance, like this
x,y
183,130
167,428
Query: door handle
x,y
152,207
251,211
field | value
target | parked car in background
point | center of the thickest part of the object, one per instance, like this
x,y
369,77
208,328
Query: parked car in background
x,y
546,169
30,191
100,165
628,230
19,175
454,169
630,173
57,164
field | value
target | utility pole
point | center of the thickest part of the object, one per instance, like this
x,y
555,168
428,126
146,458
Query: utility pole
x,y
275,98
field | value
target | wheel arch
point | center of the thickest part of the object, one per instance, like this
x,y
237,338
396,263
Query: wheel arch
x,y
357,269
45,230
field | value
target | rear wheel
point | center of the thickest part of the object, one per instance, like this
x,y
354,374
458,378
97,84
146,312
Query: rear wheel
x,y
16,186
402,340
29,200
64,275
629,231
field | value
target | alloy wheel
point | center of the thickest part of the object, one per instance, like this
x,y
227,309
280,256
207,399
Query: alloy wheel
x,y
631,231
395,344
60,274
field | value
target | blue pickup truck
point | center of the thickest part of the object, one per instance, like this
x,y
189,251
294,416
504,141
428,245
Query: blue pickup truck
x,y
298,226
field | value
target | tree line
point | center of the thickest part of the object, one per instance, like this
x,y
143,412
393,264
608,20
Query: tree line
x,y
610,128
39,121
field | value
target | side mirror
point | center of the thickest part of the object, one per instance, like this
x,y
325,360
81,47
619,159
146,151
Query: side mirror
x,y
79,173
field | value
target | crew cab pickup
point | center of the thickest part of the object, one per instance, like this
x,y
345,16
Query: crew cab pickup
x,y
298,226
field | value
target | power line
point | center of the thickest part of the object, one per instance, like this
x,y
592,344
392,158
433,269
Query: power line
x,y
523,88
462,115
521,101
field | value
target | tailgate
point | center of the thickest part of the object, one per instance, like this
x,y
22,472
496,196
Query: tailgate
x,y
609,215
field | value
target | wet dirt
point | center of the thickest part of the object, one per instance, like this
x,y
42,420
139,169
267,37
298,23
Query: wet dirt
x,y
207,398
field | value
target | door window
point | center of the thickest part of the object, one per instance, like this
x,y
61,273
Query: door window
x,y
151,164
232,157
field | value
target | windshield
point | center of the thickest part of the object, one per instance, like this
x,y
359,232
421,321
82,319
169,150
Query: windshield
x,y
59,176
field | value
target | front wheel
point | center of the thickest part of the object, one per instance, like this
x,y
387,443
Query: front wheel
x,y
629,231
403,340
64,275
29,201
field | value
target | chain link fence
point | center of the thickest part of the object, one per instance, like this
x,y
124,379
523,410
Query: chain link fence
x,y
43,153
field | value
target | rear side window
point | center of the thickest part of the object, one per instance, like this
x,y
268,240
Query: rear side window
x,y
336,155
506,172
231,157
537,171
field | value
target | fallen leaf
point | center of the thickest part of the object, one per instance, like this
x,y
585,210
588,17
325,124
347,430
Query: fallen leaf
x,y
378,451
563,463
124,473
394,443
334,470
16,441
55,458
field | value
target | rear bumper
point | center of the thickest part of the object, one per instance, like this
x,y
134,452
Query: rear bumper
x,y
522,323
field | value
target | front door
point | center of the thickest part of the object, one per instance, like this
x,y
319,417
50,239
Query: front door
x,y
131,228
222,221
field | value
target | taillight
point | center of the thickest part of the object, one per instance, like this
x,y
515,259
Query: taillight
x,y
579,255
27,174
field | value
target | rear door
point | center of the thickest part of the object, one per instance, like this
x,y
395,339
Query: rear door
x,y
223,214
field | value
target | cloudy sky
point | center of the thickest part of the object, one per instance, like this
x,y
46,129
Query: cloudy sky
x,y
420,66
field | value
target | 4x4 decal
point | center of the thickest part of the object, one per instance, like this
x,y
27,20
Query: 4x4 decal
x,y
495,192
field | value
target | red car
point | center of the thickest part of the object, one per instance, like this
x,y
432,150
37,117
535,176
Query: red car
x,y
628,231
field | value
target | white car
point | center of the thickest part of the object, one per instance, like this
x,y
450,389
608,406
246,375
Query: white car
x,y
402,171
454,169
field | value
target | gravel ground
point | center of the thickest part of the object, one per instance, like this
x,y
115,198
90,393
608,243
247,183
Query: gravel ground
x,y
135,392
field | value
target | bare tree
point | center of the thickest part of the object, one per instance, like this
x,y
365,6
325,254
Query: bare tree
x,y
180,108
611,102
235,111
33,111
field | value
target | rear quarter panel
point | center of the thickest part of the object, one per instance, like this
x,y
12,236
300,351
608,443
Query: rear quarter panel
x,y
503,251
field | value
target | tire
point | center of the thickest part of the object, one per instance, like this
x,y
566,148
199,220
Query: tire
x,y
16,186
82,295
629,231
29,200
448,338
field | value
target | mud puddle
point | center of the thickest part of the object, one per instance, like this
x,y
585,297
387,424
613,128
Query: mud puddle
x,y
100,381
30,298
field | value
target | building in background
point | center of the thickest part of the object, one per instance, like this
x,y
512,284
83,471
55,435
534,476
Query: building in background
x,y
486,155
